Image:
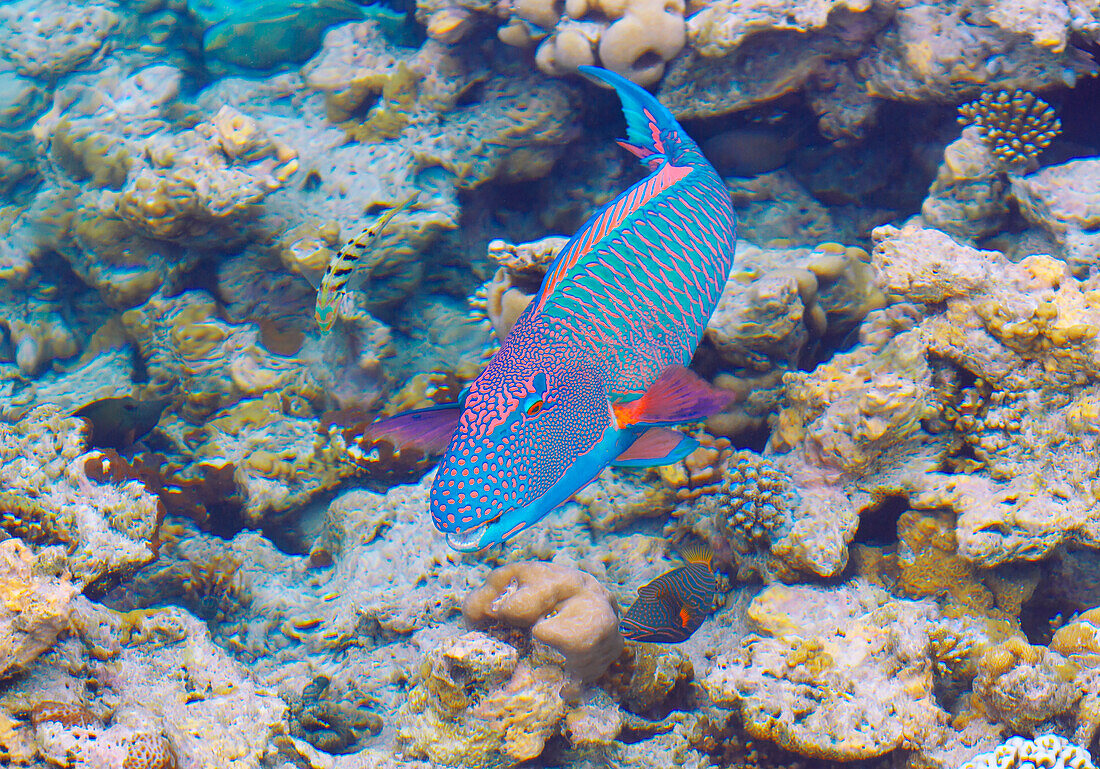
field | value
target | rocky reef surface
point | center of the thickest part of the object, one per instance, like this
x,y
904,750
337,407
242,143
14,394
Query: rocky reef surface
x,y
202,564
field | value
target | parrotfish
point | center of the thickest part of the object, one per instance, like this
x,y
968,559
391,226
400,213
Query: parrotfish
x,y
595,370
673,606
340,270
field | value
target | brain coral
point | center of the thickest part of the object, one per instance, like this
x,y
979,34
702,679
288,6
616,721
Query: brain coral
x,y
564,608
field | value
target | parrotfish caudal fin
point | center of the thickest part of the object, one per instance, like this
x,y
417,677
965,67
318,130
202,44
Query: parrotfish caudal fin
x,y
429,430
646,118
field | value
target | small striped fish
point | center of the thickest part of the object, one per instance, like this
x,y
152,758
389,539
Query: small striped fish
x,y
343,265
673,606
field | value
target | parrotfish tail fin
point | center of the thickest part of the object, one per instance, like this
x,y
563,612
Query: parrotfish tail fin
x,y
696,552
646,118
678,395
429,430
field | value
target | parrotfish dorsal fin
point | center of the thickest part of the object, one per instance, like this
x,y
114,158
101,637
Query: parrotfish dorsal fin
x,y
696,552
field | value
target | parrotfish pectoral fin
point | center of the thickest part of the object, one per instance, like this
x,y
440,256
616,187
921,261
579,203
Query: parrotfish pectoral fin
x,y
429,430
657,446
646,118
677,396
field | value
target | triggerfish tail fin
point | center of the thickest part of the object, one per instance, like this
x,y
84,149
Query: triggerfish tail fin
x,y
646,118
430,430
657,446
678,395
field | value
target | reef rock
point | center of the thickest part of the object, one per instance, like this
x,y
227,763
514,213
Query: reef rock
x,y
476,704
832,674
50,497
35,604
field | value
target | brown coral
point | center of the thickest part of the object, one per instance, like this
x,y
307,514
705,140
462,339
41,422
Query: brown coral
x,y
564,608
1022,685
1015,125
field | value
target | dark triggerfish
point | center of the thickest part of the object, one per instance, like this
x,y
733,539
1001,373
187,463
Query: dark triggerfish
x,y
596,367
673,606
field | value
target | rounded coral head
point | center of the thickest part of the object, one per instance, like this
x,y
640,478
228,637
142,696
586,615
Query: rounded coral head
x,y
526,422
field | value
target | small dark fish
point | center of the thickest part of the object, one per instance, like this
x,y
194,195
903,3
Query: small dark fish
x,y
673,606
117,423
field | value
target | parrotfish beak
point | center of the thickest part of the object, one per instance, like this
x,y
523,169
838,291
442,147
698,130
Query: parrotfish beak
x,y
497,530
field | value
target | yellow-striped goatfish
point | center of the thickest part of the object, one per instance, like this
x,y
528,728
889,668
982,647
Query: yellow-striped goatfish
x,y
341,269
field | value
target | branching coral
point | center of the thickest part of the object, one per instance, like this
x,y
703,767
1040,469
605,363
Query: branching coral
x,y
1015,125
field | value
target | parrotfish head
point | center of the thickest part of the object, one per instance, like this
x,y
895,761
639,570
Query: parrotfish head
x,y
525,431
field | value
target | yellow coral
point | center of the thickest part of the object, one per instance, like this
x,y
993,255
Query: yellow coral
x,y
1015,125
635,38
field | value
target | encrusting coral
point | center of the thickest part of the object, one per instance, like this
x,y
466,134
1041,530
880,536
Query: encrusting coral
x,y
476,704
34,603
836,674
1022,685
563,608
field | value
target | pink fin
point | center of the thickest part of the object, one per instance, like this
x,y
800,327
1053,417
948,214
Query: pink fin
x,y
657,446
429,430
678,395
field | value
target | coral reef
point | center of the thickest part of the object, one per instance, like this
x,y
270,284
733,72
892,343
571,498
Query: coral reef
x,y
476,704
35,603
207,559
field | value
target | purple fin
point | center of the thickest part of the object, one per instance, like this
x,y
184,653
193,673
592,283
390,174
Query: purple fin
x,y
429,430
678,395
656,446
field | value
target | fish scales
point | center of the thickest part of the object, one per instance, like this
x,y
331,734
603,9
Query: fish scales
x,y
670,260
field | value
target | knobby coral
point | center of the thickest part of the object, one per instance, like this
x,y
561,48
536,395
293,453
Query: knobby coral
x,y
1016,125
